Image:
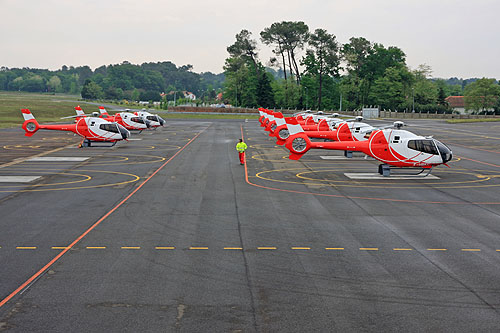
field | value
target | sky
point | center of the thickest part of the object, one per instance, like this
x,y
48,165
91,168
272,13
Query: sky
x,y
455,38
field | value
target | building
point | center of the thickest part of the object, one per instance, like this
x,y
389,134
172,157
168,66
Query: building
x,y
456,103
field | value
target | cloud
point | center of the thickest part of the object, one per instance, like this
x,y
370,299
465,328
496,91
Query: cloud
x,y
456,38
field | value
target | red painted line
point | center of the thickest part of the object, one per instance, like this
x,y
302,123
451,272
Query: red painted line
x,y
367,198
485,163
475,148
56,258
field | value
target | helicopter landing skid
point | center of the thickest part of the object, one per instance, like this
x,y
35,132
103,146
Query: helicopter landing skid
x,y
88,143
385,170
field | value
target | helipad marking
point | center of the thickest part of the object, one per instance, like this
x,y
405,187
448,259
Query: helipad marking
x,y
18,179
57,159
380,177
334,157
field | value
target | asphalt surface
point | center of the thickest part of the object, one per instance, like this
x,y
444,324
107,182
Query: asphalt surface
x,y
206,244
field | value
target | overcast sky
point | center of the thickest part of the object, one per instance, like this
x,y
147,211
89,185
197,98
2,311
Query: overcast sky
x,y
456,38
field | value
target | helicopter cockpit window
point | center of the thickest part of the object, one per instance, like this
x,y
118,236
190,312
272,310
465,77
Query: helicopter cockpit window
x,y
110,128
425,146
137,120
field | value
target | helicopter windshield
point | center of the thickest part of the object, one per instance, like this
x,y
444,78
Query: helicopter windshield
x,y
109,127
445,152
425,146
139,120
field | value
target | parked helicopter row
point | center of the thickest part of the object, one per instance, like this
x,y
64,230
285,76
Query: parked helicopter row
x,y
99,126
391,145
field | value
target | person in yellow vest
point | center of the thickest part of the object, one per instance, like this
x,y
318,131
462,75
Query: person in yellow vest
x,y
241,147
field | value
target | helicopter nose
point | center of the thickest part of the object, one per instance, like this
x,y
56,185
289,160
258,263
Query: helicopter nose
x,y
125,133
444,151
447,157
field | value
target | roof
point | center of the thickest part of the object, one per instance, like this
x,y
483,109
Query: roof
x,y
455,101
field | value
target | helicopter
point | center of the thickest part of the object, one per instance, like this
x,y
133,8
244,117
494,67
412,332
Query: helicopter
x,y
394,147
91,129
128,120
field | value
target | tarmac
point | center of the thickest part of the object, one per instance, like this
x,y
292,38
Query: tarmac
x,y
168,232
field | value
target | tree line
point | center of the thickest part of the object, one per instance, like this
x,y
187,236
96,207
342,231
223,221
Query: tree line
x,y
114,82
311,69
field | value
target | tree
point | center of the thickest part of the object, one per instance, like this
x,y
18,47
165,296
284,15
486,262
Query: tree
x,y
244,47
323,59
265,97
425,92
391,90
287,37
481,95
54,84
91,90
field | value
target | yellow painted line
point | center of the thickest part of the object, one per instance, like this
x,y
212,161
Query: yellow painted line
x,y
471,250
300,248
96,247
498,250
266,248
399,249
165,248
368,248
198,248
334,248
437,249
59,247
25,247
233,248
131,247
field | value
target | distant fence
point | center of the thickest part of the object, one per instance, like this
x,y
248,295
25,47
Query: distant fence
x,y
383,114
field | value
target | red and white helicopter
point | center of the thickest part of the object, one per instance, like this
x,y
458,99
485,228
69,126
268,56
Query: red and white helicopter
x,y
91,129
391,146
156,120
128,120
332,129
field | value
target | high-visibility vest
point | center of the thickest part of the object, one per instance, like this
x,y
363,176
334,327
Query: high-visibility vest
x,y
241,147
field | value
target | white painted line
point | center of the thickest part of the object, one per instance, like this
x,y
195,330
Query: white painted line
x,y
345,158
135,139
334,157
57,159
379,176
18,179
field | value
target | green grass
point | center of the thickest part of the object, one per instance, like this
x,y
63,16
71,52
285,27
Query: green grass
x,y
457,121
45,107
